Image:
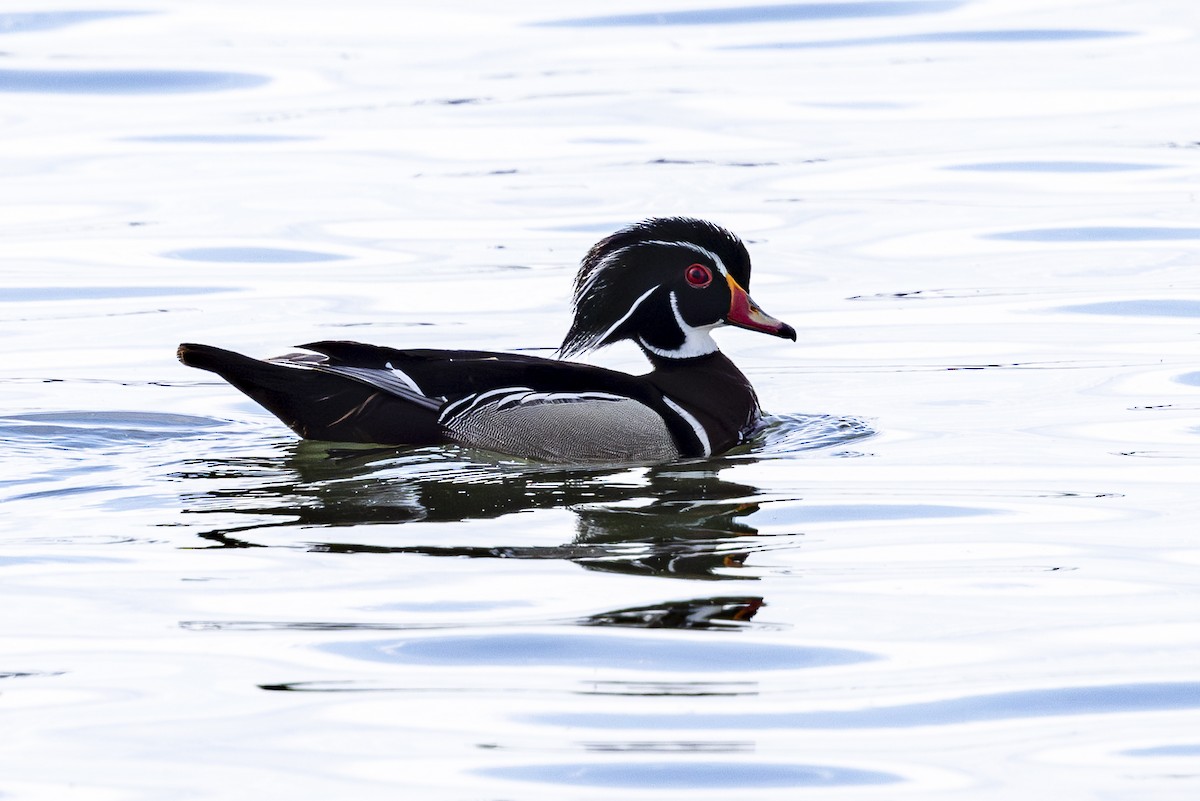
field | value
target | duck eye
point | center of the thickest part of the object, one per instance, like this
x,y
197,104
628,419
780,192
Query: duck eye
x,y
698,276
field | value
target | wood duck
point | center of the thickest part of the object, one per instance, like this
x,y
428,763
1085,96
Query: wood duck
x,y
664,283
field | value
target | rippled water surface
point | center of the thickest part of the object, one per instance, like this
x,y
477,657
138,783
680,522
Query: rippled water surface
x,y
959,561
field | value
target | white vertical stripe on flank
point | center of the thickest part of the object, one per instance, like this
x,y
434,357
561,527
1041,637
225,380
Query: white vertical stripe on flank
x,y
701,434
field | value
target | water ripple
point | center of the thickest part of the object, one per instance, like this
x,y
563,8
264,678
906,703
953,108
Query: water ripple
x,y
1139,308
943,37
788,434
253,255
536,649
740,15
1054,166
1100,233
18,294
24,21
125,82
1051,702
689,775
84,429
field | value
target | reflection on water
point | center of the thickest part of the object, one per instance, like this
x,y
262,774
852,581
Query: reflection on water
x,y
673,534
679,520
712,614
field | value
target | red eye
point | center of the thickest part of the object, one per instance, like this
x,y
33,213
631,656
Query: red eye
x,y
698,276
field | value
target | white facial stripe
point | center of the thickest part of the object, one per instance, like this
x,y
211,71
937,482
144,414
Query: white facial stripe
x,y
701,434
627,314
694,247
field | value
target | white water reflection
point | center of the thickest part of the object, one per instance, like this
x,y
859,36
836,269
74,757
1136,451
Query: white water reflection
x,y
958,560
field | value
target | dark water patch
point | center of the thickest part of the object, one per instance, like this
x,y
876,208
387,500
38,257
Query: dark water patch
x,y
1054,166
25,21
689,775
41,293
1100,233
718,614
1042,703
30,674
946,37
1191,379
1157,454
251,255
533,649
125,82
1139,308
1188,749
218,139
689,541
740,15
713,614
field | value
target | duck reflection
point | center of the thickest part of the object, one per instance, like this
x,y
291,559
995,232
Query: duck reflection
x,y
675,520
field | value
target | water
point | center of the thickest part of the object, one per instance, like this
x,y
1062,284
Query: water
x,y
960,561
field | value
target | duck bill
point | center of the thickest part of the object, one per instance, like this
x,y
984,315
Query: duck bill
x,y
745,313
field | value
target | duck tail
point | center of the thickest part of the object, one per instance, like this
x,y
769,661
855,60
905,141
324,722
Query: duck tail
x,y
317,404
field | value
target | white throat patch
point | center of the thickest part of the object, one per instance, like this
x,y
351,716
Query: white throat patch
x,y
697,341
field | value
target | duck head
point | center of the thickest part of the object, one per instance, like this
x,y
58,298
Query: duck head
x,y
665,283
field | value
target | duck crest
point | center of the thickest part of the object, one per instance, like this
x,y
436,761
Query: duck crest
x,y
614,283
